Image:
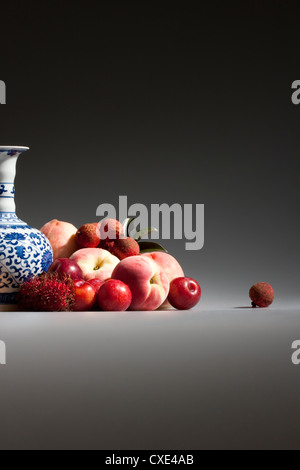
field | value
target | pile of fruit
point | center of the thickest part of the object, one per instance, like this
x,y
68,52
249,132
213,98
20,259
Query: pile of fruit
x,y
100,267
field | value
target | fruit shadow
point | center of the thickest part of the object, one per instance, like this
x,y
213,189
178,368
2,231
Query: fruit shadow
x,y
244,308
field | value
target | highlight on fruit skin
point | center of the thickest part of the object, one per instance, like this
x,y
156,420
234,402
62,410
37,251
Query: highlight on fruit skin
x,y
262,295
47,293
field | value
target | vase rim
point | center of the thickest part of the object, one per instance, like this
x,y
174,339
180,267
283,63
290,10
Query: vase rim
x,y
5,148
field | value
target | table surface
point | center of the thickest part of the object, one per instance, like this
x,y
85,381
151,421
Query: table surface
x,y
165,380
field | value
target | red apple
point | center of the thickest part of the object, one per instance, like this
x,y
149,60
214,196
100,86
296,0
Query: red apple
x,y
96,283
185,293
114,296
85,296
66,266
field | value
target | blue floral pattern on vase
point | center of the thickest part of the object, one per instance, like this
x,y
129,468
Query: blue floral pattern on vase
x,y
24,252
2,189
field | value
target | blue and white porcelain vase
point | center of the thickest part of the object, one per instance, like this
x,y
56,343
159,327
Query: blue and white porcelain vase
x,y
24,251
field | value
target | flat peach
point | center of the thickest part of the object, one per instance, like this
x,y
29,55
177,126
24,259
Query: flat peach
x,y
95,263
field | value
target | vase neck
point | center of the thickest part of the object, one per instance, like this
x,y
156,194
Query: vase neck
x,y
7,197
7,183
8,162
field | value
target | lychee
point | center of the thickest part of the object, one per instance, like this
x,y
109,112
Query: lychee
x,y
111,229
107,245
123,247
262,295
88,236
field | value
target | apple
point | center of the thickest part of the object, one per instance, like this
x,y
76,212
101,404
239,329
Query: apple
x,y
68,267
114,296
85,296
185,293
61,236
171,267
95,263
96,283
88,236
148,283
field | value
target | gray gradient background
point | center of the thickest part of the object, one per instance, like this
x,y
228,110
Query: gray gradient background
x,y
162,106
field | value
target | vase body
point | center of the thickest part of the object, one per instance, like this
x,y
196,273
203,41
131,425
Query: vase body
x,y
24,251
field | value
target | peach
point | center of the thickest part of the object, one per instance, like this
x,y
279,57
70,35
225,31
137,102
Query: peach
x,y
61,236
95,263
170,266
148,283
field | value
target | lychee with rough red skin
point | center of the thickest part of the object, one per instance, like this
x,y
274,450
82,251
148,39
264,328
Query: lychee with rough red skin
x,y
262,295
107,245
123,247
88,236
111,229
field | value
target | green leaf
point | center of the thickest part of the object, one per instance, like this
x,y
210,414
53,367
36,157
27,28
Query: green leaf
x,y
126,224
142,233
148,247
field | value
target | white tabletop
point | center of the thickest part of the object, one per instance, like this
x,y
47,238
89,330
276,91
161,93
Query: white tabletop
x,y
175,380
